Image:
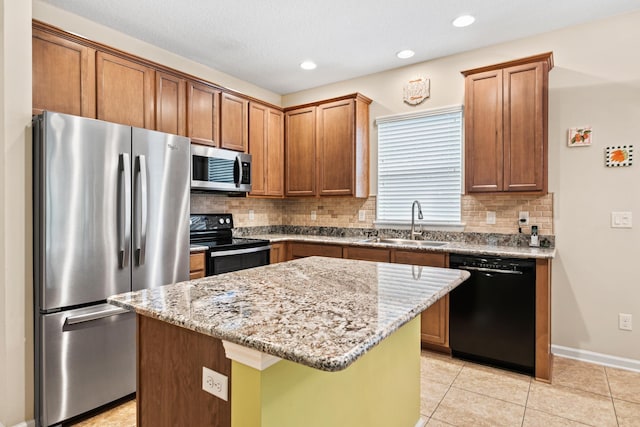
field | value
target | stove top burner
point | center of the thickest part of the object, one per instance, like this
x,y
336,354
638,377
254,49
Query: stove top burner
x,y
215,232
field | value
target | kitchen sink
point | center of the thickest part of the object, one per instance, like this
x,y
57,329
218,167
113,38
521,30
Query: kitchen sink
x,y
417,243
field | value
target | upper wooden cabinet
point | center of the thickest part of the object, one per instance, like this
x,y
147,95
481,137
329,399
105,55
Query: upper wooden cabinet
x,y
506,108
203,113
124,91
63,75
234,122
327,148
300,152
266,146
171,103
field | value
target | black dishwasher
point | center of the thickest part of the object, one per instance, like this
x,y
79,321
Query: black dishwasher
x,y
492,314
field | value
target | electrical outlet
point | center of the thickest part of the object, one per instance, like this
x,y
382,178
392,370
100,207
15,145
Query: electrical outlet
x,y
621,220
491,217
313,215
624,321
523,218
252,215
215,383
362,215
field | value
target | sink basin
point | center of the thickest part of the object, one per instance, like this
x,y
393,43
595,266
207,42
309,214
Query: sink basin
x,y
418,243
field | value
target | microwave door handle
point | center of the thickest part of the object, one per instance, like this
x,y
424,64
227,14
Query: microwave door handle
x,y
239,166
141,169
124,219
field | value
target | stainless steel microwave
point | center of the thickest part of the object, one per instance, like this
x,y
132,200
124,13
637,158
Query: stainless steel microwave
x,y
216,169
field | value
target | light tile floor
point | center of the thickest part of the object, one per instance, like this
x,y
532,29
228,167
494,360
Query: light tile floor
x,y
458,393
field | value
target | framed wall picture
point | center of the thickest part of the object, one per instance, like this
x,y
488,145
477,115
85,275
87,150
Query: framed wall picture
x,y
580,137
619,155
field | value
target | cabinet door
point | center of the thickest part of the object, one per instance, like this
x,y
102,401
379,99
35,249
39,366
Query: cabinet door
x,y
524,127
203,111
124,91
234,122
434,321
266,146
63,76
300,152
483,132
171,104
196,265
366,254
258,125
275,153
335,148
278,253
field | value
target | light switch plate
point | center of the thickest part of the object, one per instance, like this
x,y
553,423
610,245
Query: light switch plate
x,y
491,217
621,220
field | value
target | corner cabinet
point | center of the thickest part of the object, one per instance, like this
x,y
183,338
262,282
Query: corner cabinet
x,y
266,146
327,148
506,109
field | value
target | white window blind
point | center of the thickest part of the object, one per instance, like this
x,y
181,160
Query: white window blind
x,y
420,158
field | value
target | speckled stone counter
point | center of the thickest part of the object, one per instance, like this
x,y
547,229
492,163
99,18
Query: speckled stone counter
x,y
450,247
320,312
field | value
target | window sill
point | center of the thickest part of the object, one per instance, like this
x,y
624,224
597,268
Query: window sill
x,y
426,226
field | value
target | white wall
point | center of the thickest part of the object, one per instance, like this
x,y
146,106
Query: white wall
x,y
595,82
16,326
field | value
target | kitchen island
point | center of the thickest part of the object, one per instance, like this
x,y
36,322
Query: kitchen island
x,y
315,342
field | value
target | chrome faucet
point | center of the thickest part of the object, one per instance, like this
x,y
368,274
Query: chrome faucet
x,y
415,233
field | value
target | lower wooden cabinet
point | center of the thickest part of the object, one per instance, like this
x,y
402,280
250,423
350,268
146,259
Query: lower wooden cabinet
x,y
196,265
278,253
434,321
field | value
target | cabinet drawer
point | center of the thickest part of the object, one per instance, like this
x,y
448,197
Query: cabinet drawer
x,y
301,250
366,254
430,259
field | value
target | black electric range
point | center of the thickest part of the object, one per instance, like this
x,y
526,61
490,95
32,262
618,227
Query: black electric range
x,y
226,253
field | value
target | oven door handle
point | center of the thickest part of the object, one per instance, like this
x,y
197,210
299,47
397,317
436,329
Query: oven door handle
x,y
240,251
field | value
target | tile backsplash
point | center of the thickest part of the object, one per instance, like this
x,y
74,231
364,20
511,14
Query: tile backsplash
x,y
343,212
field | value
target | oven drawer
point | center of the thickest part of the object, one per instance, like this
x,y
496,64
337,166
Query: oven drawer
x,y
219,262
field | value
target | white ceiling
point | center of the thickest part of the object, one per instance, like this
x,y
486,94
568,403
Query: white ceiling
x,y
264,41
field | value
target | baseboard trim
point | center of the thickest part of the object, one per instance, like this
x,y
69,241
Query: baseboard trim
x,y
422,422
597,358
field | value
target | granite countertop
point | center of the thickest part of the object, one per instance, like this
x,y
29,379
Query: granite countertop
x,y
451,247
320,312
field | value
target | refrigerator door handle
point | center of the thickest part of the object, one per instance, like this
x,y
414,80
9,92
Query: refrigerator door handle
x,y
124,219
88,317
141,169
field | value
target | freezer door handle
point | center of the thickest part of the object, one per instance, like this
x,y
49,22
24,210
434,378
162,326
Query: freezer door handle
x,y
88,317
141,246
124,218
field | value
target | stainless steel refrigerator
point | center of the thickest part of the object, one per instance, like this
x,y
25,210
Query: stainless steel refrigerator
x,y
111,215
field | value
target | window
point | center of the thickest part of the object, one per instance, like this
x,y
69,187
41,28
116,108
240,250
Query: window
x,y
420,158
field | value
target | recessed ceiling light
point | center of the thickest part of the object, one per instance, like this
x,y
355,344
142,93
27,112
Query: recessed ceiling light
x,y
308,65
404,54
463,21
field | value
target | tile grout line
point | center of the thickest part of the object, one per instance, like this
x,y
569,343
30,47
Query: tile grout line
x,y
526,402
445,394
611,396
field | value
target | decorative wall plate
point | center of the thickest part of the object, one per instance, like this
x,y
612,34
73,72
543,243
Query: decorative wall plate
x,y
620,155
416,90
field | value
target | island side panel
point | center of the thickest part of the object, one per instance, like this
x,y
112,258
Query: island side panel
x,y
380,389
169,391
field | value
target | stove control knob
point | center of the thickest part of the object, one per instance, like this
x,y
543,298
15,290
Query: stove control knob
x,y
221,221
228,221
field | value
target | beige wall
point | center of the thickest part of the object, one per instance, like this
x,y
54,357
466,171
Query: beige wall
x,y
16,326
595,82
